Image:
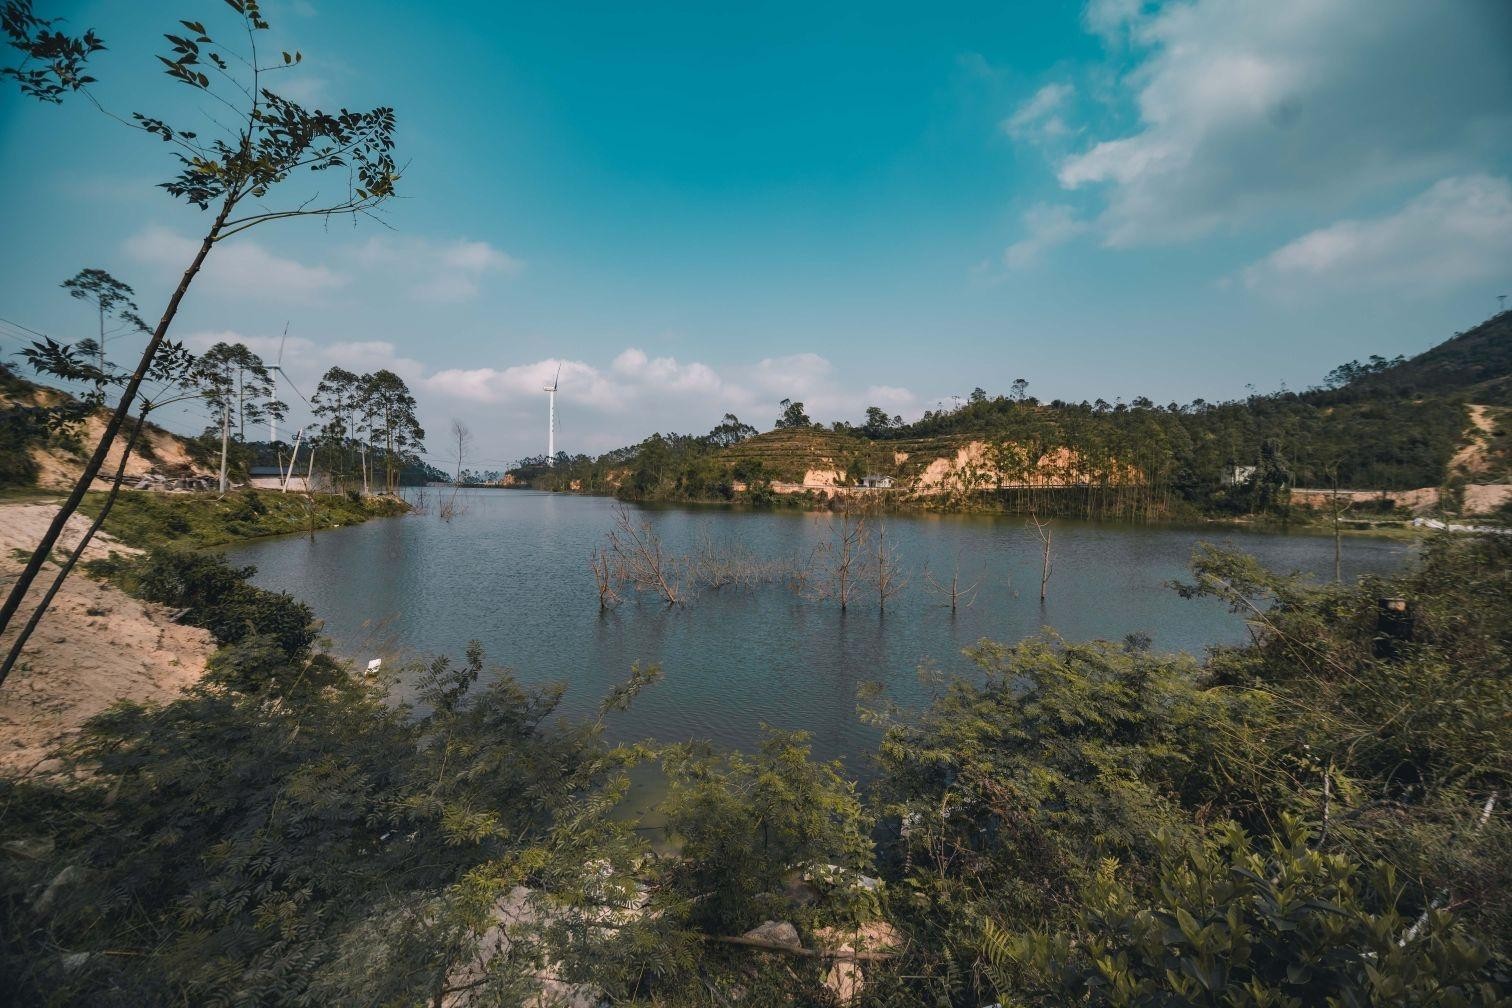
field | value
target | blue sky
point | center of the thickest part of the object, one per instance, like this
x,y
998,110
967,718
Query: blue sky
x,y
697,210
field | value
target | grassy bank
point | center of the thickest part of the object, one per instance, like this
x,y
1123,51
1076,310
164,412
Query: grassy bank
x,y
201,520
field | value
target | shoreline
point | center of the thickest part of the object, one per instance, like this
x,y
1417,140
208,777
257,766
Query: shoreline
x,y
1395,528
97,645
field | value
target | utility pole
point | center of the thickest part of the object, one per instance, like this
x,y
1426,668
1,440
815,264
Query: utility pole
x,y
101,305
292,459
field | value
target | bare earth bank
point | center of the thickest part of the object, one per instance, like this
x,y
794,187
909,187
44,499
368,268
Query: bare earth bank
x,y
96,646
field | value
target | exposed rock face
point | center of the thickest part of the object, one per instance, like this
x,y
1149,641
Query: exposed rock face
x,y
776,932
845,976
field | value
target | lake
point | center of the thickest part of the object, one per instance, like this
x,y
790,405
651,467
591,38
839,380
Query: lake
x,y
511,570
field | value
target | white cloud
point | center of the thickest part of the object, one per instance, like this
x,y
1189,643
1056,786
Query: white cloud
x,y
240,268
444,271
1457,232
1111,18
1040,117
1048,225
1292,106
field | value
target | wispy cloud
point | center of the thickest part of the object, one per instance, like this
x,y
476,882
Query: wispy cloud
x,y
1041,117
439,270
241,268
1457,232
1047,226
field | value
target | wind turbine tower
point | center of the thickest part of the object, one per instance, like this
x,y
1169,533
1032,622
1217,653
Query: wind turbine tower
x,y
278,368
551,390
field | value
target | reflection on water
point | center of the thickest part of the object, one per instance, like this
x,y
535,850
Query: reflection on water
x,y
512,572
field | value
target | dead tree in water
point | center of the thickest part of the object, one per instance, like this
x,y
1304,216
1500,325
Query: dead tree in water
x,y
636,557
885,570
953,593
604,579
462,439
841,556
1043,530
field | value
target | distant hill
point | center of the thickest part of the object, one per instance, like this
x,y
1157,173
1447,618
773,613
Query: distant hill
x,y
1475,365
1387,424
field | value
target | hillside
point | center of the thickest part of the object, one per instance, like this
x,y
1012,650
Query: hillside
x,y
1396,426
33,455
1475,365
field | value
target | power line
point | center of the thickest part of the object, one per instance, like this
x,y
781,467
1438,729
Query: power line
x,y
23,328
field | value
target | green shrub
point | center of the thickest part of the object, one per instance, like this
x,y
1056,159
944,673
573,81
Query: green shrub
x,y
219,598
748,823
1285,926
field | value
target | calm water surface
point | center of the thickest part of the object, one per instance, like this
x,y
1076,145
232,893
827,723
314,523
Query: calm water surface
x,y
511,572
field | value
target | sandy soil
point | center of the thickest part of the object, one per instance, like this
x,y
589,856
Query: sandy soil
x,y
95,646
1486,498
1471,457
1419,501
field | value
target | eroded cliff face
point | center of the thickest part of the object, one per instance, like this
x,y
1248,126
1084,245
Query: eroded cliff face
x,y
58,468
961,467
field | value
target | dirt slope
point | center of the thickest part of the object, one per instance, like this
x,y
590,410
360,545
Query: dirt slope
x,y
95,646
58,467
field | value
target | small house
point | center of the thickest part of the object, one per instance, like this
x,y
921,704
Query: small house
x,y
1238,475
871,481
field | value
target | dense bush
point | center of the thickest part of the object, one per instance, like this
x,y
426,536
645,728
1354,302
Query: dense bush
x,y
1287,926
201,520
216,596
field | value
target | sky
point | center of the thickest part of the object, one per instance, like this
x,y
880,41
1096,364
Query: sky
x,y
695,209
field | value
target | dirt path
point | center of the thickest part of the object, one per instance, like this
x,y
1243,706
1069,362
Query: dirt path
x,y
95,646
1471,456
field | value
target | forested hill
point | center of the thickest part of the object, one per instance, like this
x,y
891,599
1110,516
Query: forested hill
x,y
1475,365
1385,424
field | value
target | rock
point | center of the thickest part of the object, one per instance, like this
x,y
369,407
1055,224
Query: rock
x,y
845,975
776,932
68,876
31,848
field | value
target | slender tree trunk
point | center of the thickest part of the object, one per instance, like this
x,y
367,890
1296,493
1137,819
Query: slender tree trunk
x,y
36,617
1045,566
112,428
225,445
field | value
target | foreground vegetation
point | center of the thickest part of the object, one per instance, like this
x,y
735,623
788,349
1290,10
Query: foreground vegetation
x,y
1316,817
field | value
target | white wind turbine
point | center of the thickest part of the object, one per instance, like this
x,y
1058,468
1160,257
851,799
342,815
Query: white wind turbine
x,y
551,417
278,368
